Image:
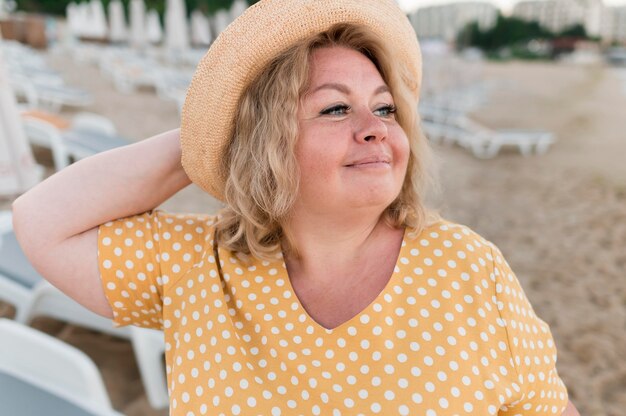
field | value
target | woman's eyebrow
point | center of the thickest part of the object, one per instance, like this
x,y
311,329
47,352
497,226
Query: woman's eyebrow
x,y
344,89
382,89
332,86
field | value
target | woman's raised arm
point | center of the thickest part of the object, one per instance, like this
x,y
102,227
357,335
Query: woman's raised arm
x,y
56,222
570,410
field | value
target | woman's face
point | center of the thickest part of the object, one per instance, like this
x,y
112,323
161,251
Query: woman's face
x,y
351,150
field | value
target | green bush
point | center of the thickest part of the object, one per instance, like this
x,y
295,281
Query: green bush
x,y
510,36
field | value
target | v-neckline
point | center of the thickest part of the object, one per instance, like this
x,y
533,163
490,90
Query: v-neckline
x,y
367,309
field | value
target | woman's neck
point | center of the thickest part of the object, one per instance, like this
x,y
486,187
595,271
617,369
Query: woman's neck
x,y
326,248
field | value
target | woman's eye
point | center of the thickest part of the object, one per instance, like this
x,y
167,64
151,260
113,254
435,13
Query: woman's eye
x,y
386,111
337,110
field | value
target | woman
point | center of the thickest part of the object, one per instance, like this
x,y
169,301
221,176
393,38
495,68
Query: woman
x,y
325,286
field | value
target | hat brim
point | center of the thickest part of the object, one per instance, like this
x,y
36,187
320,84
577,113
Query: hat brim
x,y
248,45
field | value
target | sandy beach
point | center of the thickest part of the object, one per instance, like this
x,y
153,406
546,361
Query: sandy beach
x,y
560,218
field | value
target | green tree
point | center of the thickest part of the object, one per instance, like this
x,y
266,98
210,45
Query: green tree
x,y
507,31
575,31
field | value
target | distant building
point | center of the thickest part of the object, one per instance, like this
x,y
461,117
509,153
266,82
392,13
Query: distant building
x,y
445,21
614,27
557,15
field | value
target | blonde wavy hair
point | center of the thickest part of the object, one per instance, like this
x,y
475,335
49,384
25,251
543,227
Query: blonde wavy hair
x,y
263,178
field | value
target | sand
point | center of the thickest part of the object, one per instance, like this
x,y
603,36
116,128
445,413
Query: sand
x,y
560,219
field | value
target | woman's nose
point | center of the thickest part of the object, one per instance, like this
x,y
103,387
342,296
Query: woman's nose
x,y
369,127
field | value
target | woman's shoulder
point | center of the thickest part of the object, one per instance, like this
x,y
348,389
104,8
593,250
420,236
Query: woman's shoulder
x,y
444,238
442,229
185,220
164,221
158,231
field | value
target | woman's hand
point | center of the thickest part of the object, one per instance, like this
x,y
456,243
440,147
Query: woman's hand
x,y
56,222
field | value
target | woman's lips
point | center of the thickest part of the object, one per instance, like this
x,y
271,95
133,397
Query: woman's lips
x,y
370,161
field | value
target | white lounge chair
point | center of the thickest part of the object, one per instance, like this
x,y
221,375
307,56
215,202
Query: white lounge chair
x,y
21,73
28,70
32,296
486,143
17,52
40,374
173,85
83,52
92,122
26,95
440,132
129,70
54,97
50,94
441,125
44,134
449,126
87,135
170,82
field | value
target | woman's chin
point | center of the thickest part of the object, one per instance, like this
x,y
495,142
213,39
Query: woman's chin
x,y
374,200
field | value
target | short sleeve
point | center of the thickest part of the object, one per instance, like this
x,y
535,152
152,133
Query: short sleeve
x,y
140,256
532,347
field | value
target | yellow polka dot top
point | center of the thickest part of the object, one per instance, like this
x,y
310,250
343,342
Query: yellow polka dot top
x,y
452,332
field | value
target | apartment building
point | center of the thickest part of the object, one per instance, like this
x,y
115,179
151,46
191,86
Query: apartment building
x,y
445,21
614,27
556,15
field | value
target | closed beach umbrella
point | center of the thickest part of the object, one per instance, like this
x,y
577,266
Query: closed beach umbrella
x,y
221,20
118,31
98,27
18,170
200,29
71,15
137,23
237,9
176,26
154,32
83,19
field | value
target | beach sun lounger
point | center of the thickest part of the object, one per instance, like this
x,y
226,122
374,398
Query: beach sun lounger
x,y
91,122
448,126
54,97
49,93
41,375
86,135
32,296
486,143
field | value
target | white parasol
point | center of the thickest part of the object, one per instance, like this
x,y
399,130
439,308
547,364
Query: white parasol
x,y
3,11
70,17
98,26
237,9
220,21
18,170
176,26
200,29
118,31
154,32
137,23
81,17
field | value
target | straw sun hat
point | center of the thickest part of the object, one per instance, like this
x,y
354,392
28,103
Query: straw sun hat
x,y
245,48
